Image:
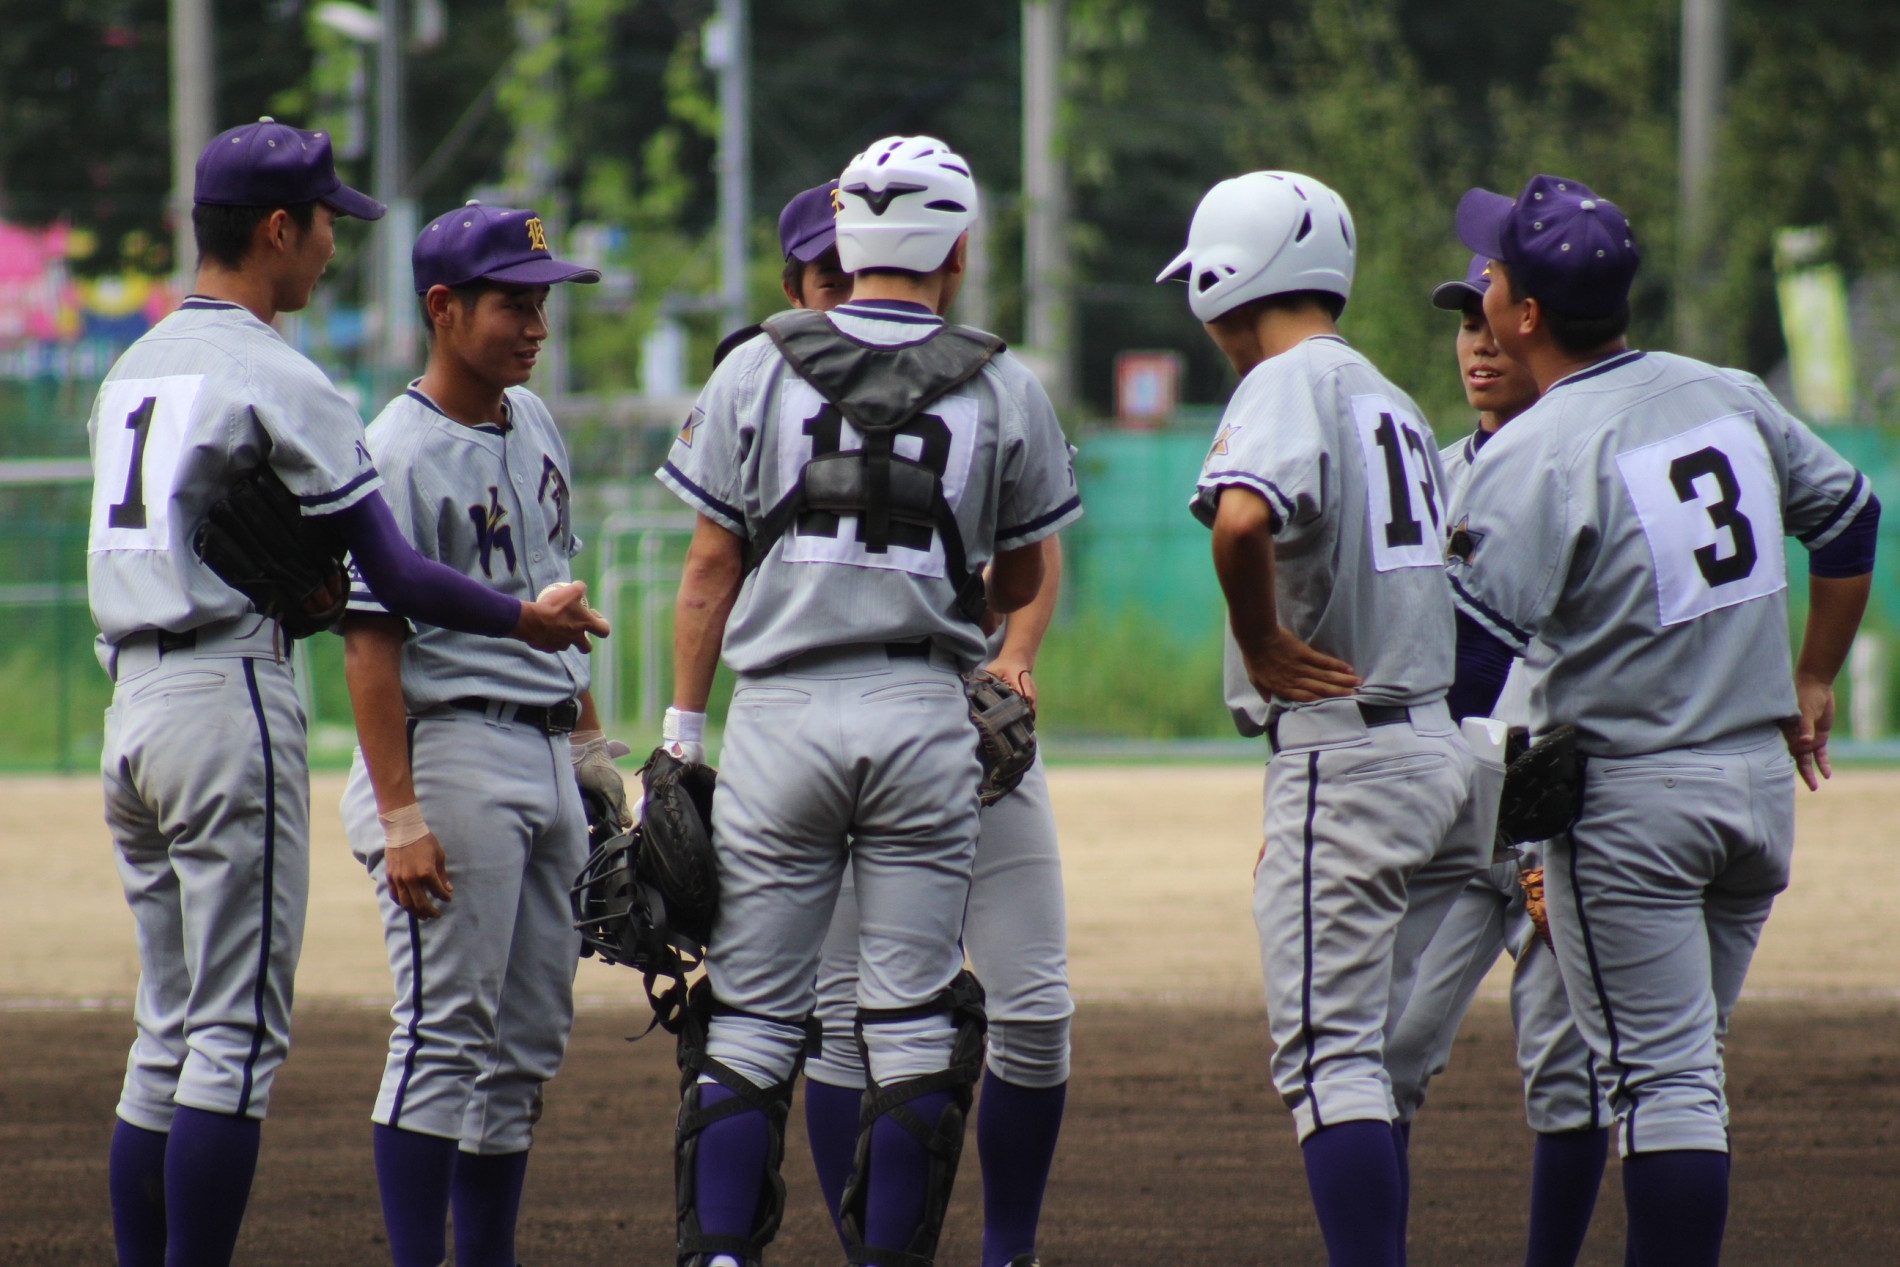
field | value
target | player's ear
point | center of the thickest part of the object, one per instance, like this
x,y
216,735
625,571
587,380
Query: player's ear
x,y
959,257
441,303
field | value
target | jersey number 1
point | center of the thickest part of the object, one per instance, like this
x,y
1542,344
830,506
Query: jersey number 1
x,y
129,510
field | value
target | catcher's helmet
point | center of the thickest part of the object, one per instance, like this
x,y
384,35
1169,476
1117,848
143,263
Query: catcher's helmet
x,y
1265,233
903,203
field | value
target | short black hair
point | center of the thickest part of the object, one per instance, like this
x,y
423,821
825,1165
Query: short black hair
x,y
794,274
911,273
1333,304
224,234
468,294
793,278
1575,335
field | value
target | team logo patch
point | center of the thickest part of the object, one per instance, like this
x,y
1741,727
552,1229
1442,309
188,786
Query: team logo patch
x,y
1464,542
1220,441
555,483
692,424
493,532
537,236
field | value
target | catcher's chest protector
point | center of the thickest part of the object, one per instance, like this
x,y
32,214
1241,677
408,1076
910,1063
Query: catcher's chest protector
x,y
878,390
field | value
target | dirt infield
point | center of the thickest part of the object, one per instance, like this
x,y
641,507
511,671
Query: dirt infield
x,y
1173,1152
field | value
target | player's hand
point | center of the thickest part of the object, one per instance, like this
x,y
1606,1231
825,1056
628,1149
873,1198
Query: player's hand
x,y
333,592
560,618
1807,732
1291,670
418,876
1018,675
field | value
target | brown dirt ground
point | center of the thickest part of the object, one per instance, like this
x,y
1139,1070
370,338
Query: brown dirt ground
x,y
1173,1152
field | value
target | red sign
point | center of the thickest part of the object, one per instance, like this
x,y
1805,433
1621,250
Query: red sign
x,y
1147,388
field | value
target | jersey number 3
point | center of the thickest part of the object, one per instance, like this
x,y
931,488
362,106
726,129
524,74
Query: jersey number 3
x,y
138,434
1710,506
1401,486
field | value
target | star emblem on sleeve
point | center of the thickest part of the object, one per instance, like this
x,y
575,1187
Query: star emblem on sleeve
x,y
1464,542
692,424
1220,441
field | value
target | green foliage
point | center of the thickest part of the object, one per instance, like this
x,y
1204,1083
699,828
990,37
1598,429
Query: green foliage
x,y
1116,675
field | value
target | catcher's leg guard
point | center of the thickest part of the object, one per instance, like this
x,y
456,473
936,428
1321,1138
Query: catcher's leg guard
x,y
696,1248
942,1139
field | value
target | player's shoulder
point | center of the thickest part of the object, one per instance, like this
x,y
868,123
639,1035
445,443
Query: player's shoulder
x,y
525,409
404,427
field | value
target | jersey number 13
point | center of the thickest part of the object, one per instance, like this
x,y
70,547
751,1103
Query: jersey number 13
x,y
1401,486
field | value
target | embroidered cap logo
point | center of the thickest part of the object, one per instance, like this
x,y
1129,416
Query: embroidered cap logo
x,y
537,236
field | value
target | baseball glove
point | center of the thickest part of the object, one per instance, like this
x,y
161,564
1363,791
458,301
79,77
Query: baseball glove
x,y
1005,733
259,542
1533,883
678,859
1543,788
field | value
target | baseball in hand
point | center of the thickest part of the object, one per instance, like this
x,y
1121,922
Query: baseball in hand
x,y
556,588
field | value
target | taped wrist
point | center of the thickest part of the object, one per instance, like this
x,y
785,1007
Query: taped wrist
x,y
403,827
683,727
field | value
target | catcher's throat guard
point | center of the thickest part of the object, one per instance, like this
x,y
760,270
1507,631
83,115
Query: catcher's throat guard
x,y
647,897
879,391
257,540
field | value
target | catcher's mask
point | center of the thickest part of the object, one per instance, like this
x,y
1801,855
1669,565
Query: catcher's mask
x,y
647,897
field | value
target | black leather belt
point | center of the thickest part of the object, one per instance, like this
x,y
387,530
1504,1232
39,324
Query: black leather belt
x,y
555,719
908,650
1371,714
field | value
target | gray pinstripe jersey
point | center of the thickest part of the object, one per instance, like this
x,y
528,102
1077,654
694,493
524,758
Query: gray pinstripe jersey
x,y
491,503
1346,462
1629,526
1006,473
202,397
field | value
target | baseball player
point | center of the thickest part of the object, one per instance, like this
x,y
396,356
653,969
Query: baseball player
x,y
1015,929
1624,536
462,800
812,277
1562,1097
839,566
206,781
1323,493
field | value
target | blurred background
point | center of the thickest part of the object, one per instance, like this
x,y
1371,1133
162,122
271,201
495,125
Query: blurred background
x,y
1755,145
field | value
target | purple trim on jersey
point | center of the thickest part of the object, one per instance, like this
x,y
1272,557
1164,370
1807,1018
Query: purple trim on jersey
x,y
1040,521
1306,933
407,584
1851,553
1603,1001
269,886
1489,613
1833,516
903,311
199,303
416,393
1259,484
338,494
730,513
415,999
1601,367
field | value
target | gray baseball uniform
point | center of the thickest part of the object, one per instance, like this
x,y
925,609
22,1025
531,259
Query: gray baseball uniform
x,y
1015,931
484,993
1625,532
1561,1088
849,722
1369,800
206,776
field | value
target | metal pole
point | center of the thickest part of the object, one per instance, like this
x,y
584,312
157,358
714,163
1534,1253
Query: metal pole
x,y
1704,68
735,152
194,82
1050,317
395,348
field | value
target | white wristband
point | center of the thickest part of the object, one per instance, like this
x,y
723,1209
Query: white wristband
x,y
679,727
403,827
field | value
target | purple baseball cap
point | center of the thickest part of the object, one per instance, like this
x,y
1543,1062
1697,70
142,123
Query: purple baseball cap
x,y
1453,296
808,227
270,164
491,244
1569,248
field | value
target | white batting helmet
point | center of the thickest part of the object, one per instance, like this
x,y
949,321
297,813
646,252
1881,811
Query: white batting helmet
x,y
903,203
1265,233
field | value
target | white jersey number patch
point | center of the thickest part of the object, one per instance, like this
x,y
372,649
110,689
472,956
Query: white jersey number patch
x,y
141,432
1402,492
942,437
1710,506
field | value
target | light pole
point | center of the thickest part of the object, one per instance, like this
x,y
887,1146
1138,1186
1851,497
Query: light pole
x,y
194,81
1704,67
727,49
1049,319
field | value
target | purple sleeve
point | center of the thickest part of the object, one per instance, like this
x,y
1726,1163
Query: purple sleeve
x,y
418,588
1483,664
1852,552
